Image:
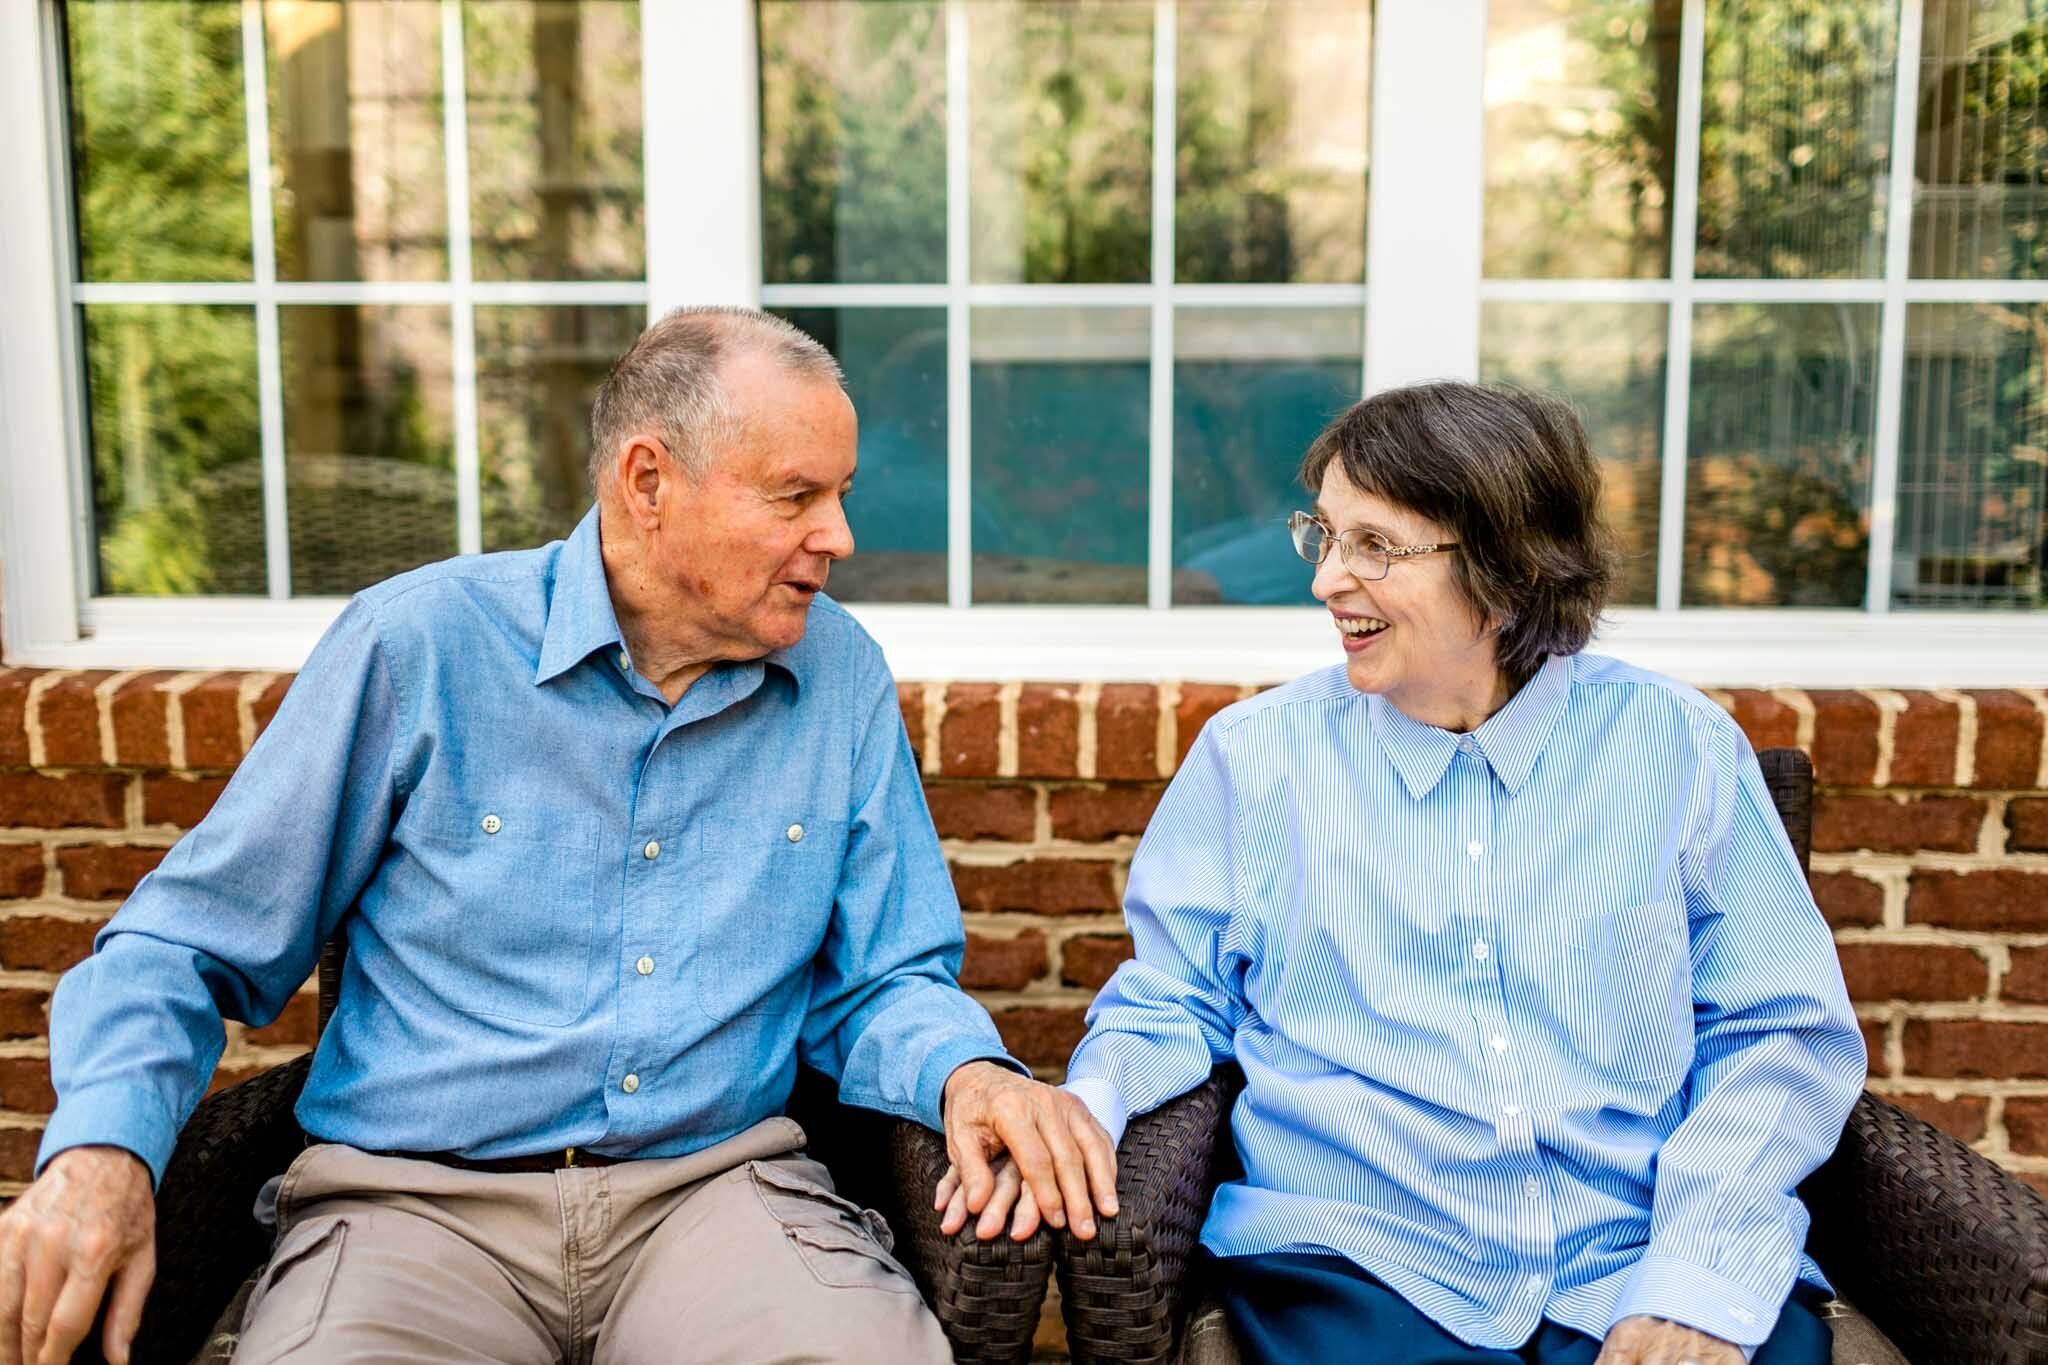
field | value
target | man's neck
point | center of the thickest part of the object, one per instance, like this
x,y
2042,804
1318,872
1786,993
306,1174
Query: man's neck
x,y
665,650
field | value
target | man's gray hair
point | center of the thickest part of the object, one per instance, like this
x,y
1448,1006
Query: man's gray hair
x,y
668,383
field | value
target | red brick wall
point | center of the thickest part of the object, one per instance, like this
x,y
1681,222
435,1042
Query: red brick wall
x,y
1931,859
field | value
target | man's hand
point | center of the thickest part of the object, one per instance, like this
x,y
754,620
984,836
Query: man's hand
x,y
90,1218
1060,1163
1643,1340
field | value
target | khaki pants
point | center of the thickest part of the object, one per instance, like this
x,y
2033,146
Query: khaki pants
x,y
741,1252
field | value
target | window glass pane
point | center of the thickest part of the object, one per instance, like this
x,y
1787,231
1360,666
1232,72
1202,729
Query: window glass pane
x,y
370,471
1972,526
1061,398
159,143
1251,388
552,91
1581,138
1795,138
1060,100
895,363
1607,360
853,142
177,457
1778,465
537,373
355,134
1980,195
1271,143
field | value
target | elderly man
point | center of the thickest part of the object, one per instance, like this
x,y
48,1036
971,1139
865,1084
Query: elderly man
x,y
618,830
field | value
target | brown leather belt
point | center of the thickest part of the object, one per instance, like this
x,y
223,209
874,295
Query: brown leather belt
x,y
561,1159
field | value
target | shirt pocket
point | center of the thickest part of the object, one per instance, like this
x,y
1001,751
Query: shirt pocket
x,y
506,896
1625,996
764,889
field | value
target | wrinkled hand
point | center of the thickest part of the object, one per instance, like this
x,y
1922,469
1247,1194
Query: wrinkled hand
x,y
89,1219
1059,1164
1643,1340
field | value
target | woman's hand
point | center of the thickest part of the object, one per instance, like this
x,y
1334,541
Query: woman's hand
x,y
1643,1340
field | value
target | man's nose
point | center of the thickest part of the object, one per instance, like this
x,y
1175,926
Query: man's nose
x,y
834,539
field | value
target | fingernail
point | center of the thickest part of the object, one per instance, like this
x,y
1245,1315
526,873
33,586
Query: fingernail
x,y
1056,1218
1086,1229
1109,1208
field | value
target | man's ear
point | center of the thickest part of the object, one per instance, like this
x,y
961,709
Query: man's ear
x,y
642,469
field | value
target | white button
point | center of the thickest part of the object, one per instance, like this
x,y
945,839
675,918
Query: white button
x,y
1465,744
625,664
1741,1315
630,1084
795,832
1497,1043
1531,1186
1532,1284
1479,951
645,966
653,850
1513,1111
492,824
1474,849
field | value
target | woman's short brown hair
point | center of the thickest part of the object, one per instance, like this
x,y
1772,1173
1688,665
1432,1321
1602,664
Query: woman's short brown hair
x,y
1510,476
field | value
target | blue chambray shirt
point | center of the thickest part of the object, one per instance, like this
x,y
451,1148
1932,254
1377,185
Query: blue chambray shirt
x,y
576,916
1540,1022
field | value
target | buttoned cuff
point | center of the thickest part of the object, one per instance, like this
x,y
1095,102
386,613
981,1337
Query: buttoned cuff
x,y
1104,1102
111,1116
942,1061
1705,1300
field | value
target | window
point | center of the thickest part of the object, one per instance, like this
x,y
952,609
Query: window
x,y
331,283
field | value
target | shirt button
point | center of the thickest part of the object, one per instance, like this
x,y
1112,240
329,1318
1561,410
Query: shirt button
x,y
625,664
652,851
631,1083
1532,1284
1474,849
1531,1186
794,832
1479,951
1465,744
1497,1043
1512,1110
645,966
492,824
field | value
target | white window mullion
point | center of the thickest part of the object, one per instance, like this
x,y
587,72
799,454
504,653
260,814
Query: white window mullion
x,y
701,153
1891,346
1685,204
1165,61
959,352
277,542
469,533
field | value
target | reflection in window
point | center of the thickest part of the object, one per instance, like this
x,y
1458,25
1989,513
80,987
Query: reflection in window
x,y
1778,454
1271,141
1581,138
538,371
158,143
1607,360
895,364
553,100
1252,387
853,142
1060,402
356,134
1795,138
1980,198
1972,527
1060,100
176,450
370,483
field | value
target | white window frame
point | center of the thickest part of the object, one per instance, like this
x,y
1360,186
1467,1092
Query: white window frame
x,y
1424,242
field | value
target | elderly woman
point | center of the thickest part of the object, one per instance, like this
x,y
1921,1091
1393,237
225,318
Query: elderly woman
x,y
1540,1027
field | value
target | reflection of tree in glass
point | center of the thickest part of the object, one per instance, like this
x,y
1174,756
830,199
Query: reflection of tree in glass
x,y
158,141
1981,156
853,142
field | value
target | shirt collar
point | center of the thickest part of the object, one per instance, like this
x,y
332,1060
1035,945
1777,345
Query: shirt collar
x,y
581,620
1510,741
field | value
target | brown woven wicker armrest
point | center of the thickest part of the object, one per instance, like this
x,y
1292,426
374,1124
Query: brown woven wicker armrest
x,y
207,1236
987,1295
1944,1251
1121,1293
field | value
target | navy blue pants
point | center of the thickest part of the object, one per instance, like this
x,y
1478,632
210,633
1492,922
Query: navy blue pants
x,y
1286,1307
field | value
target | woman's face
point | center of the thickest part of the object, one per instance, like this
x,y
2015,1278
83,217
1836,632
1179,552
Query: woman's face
x,y
1411,636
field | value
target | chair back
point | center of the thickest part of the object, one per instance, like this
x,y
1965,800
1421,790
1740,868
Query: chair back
x,y
1789,775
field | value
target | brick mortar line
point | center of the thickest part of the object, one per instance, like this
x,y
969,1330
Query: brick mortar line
x,y
1890,705
1951,1011
1086,697
103,706
1929,860
1123,844
70,908
1940,1088
174,691
21,978
1166,733
1923,936
1966,733
1006,728
32,714
934,720
253,686
1907,795
1802,712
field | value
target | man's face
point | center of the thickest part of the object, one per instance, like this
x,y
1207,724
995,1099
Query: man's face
x,y
749,545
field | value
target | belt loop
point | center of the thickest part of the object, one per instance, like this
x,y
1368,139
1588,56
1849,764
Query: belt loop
x,y
569,1156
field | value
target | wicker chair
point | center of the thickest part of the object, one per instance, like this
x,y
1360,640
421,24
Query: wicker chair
x,y
987,1295
1945,1253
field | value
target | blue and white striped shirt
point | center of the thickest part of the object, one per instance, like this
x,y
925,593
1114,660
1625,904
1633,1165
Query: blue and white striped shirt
x,y
1539,1022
